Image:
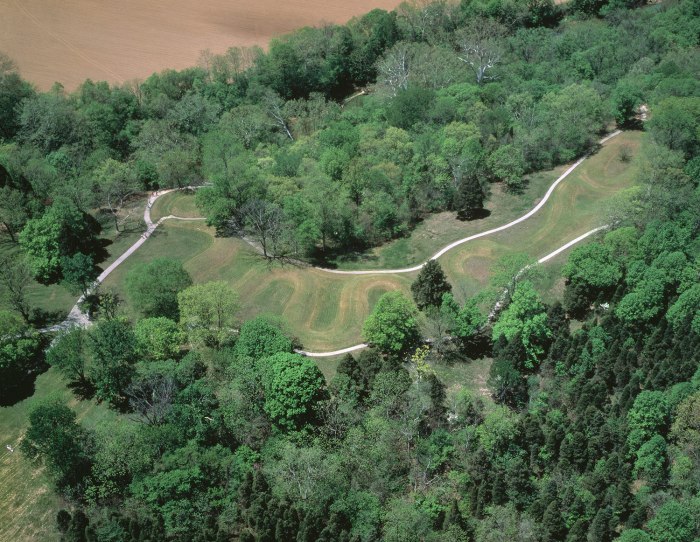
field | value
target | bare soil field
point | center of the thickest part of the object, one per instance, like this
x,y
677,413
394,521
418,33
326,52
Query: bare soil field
x,y
71,40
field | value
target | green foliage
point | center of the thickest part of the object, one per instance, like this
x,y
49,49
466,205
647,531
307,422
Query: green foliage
x,y
62,231
634,535
158,338
508,165
20,356
153,287
651,463
391,454
463,322
78,272
68,354
507,384
393,325
15,280
686,309
261,337
686,428
208,313
293,385
644,302
526,317
409,107
498,430
430,286
649,415
190,488
113,349
675,124
672,523
55,438
594,266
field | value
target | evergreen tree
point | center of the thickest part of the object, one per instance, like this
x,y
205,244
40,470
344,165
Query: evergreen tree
x,y
469,199
430,285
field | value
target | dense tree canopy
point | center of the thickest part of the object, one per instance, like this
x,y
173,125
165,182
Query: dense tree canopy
x,y
541,421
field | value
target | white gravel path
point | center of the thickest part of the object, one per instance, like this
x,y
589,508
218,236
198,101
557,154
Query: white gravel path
x,y
77,317
541,260
477,235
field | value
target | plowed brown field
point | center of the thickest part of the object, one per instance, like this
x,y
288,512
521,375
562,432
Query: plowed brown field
x,y
118,40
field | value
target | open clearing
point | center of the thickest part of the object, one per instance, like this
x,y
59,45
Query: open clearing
x,y
326,311
71,40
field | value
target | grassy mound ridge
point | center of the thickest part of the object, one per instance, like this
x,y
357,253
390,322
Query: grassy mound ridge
x,y
326,311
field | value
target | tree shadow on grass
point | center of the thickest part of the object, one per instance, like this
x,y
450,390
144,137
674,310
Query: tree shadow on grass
x,y
83,389
478,214
41,318
20,384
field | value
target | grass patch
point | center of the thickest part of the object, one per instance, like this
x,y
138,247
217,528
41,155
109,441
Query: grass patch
x,y
179,203
325,311
440,229
578,205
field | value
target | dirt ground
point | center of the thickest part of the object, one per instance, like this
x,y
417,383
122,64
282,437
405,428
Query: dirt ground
x,y
71,40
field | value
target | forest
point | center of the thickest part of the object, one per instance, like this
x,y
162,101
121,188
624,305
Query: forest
x,y
333,141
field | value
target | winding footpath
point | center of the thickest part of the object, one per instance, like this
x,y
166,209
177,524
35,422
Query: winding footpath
x,y
77,317
483,233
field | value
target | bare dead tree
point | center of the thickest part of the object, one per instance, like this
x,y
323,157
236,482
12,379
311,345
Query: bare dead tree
x,y
263,221
152,398
135,86
274,106
394,69
479,47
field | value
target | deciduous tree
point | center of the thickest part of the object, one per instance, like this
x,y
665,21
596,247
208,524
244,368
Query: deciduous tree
x,y
393,324
158,338
480,47
15,279
55,438
293,386
208,313
153,287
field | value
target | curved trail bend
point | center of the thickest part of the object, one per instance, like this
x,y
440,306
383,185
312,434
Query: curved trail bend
x,y
481,234
77,317
541,260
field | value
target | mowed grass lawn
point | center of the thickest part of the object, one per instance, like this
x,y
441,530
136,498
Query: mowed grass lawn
x,y
326,310
28,504
176,204
579,204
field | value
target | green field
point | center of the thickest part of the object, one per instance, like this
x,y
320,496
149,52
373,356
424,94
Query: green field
x,y
176,204
578,205
326,310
